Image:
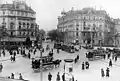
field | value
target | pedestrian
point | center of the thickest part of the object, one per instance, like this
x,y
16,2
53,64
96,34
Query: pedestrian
x,y
58,77
108,55
72,78
34,51
11,58
104,56
80,47
1,67
57,50
87,65
102,72
83,66
14,53
52,50
20,77
110,63
75,60
115,58
49,77
107,72
17,51
14,59
12,76
63,77
78,57
21,51
3,52
29,56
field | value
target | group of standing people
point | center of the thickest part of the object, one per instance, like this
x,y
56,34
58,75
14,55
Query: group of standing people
x,y
12,76
110,64
85,65
107,72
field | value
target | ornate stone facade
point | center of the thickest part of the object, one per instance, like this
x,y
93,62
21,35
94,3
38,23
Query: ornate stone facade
x,y
18,19
86,25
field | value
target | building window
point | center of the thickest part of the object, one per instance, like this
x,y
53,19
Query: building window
x,y
19,25
23,33
83,34
11,18
18,13
23,24
22,13
77,34
77,29
11,25
20,33
3,12
11,12
11,33
32,25
28,33
31,33
27,25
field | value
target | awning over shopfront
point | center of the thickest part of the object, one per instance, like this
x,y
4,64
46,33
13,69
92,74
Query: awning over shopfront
x,y
16,39
13,39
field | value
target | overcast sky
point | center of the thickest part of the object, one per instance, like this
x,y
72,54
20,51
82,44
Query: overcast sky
x,y
47,11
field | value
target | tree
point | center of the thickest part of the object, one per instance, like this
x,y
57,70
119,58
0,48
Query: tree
x,y
56,35
28,42
40,34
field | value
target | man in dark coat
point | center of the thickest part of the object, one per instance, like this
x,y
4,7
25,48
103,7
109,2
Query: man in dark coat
x,y
63,77
87,65
12,76
102,73
14,53
115,58
107,72
58,77
104,56
83,66
29,56
49,77
110,63
57,50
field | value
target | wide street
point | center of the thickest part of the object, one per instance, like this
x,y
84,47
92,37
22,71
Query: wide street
x,y
23,66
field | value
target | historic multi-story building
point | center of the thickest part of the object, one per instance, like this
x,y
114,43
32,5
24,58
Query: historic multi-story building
x,y
117,34
19,20
85,25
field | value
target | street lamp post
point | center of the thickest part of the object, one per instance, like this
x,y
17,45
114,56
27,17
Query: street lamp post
x,y
41,58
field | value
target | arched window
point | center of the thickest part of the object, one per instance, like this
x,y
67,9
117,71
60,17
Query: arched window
x,y
27,25
94,26
19,25
31,33
11,25
32,25
24,24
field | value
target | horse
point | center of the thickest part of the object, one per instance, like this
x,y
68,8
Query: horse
x,y
57,63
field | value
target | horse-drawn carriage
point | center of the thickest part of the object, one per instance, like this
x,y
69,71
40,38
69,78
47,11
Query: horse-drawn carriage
x,y
44,63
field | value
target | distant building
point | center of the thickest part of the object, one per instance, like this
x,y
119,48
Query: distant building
x,y
117,34
19,21
85,25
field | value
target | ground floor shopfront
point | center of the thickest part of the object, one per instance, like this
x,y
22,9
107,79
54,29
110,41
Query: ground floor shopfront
x,y
15,42
89,38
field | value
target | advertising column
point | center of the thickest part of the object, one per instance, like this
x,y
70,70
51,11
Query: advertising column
x,y
68,69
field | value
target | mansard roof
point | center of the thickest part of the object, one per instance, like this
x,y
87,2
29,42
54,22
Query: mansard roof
x,y
17,7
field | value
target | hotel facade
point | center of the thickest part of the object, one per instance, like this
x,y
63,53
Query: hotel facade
x,y
87,26
19,21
